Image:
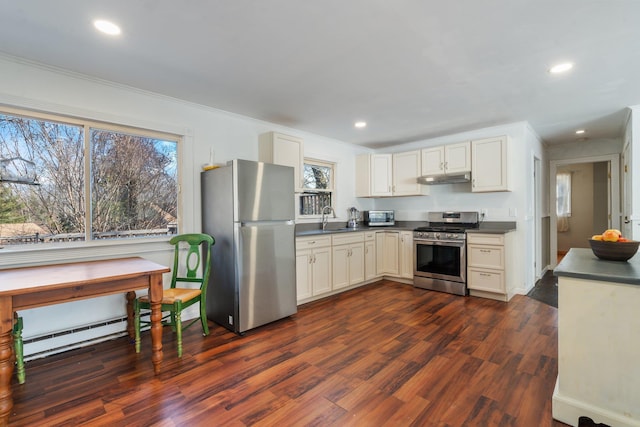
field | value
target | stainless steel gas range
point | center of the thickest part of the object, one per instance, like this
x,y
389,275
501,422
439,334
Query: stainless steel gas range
x,y
439,256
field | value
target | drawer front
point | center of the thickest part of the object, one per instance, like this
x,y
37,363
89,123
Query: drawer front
x,y
486,239
347,238
369,235
483,280
485,256
313,242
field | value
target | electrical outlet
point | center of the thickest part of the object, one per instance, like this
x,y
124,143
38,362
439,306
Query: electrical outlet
x,y
513,212
231,320
483,213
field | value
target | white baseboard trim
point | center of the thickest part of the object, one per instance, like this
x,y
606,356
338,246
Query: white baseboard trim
x,y
567,409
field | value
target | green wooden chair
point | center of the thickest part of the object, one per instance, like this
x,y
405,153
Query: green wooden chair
x,y
18,349
186,269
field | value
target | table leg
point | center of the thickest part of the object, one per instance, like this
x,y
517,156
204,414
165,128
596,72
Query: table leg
x,y
6,359
131,296
155,299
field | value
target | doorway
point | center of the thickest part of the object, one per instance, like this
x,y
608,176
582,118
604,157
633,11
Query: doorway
x,y
594,202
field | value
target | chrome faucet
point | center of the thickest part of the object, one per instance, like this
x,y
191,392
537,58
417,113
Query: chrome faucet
x,y
325,218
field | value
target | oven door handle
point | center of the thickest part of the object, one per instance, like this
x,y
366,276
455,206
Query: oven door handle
x,y
457,243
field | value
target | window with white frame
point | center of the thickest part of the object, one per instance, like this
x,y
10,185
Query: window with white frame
x,y
563,200
318,186
66,179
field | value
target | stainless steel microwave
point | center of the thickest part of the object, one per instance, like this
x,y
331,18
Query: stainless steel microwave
x,y
378,218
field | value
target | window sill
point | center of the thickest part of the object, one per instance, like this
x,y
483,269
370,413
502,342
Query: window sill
x,y
46,253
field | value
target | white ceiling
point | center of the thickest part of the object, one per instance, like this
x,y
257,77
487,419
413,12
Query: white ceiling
x,y
413,69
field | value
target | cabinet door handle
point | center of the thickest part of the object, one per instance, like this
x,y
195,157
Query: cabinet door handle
x,y
441,166
486,251
314,259
473,183
485,274
446,165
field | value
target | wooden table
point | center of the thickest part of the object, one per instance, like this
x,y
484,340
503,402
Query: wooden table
x,y
29,287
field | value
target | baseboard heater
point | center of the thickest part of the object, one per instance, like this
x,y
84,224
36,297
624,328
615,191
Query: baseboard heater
x,y
77,344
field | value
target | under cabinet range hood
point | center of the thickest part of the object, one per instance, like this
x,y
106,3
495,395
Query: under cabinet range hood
x,y
444,179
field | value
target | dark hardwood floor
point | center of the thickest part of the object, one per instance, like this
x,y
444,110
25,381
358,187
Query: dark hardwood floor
x,y
386,354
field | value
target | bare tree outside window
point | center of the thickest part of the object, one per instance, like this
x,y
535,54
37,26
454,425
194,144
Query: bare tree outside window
x,y
132,191
318,187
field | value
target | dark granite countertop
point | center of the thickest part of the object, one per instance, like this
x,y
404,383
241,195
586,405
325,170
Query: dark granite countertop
x,y
313,229
583,264
494,227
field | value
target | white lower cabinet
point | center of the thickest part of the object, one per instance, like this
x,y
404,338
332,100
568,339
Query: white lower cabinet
x,y
348,259
406,254
387,253
370,255
328,264
313,266
394,253
488,262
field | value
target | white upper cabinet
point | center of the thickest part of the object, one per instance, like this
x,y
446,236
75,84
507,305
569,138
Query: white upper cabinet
x,y
447,159
433,161
406,169
383,175
457,157
285,150
489,168
374,176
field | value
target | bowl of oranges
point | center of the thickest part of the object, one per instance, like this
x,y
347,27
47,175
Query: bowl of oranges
x,y
612,246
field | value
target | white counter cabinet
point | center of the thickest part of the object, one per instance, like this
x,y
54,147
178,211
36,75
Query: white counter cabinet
x,y
406,254
347,259
387,253
370,255
489,265
598,340
313,266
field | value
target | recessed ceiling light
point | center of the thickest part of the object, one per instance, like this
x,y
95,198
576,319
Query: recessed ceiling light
x,y
580,131
561,68
106,27
360,124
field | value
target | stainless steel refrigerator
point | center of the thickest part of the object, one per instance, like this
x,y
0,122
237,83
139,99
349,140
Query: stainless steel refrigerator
x,y
248,207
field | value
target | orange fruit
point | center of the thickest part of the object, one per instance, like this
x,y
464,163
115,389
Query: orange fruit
x,y
611,235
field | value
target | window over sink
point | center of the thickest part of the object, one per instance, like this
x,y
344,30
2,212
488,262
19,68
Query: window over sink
x,y
318,186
